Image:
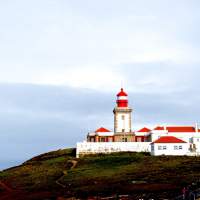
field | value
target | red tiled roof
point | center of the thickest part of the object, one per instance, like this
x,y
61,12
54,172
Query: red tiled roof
x,y
144,130
177,129
122,93
169,139
102,129
159,128
181,129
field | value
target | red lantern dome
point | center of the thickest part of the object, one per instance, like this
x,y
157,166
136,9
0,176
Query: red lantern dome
x,y
122,99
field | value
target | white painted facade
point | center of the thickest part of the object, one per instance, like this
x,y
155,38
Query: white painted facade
x,y
101,133
156,149
173,149
141,134
84,148
192,139
187,137
122,120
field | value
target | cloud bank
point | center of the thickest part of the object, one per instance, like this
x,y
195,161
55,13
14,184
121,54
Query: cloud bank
x,y
62,62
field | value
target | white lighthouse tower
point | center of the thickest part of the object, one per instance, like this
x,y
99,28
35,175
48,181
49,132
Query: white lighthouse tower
x,y
122,114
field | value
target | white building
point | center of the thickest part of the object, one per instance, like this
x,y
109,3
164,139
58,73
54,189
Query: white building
x,y
169,145
161,140
186,133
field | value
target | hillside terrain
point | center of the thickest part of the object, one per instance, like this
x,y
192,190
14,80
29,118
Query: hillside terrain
x,y
58,175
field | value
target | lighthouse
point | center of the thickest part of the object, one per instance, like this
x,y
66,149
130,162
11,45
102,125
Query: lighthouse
x,y
122,114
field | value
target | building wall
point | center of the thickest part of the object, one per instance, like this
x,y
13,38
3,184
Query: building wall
x,y
116,138
84,148
158,149
187,137
124,138
157,134
122,120
195,145
142,139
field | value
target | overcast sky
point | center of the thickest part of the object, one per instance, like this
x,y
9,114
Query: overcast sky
x,y
62,63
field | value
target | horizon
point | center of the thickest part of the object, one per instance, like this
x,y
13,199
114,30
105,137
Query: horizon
x,y
62,64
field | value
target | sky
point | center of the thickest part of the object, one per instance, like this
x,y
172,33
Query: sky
x,y
62,63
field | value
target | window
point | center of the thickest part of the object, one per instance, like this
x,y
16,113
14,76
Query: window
x,y
175,147
164,147
152,147
159,147
124,140
123,130
110,139
180,147
102,140
123,117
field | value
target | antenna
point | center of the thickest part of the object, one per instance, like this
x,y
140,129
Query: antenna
x,y
121,83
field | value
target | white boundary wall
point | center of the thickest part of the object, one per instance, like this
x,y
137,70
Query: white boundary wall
x,y
84,148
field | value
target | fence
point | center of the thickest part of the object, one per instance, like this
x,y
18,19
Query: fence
x,y
84,148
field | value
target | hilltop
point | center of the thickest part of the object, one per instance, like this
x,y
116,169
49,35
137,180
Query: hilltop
x,y
60,175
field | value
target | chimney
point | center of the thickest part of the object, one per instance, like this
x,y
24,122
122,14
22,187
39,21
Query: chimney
x,y
196,128
165,128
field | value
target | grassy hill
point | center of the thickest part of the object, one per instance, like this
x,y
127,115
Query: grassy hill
x,y
59,175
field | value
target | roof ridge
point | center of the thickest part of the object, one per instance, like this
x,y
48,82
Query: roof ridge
x,y
168,139
144,129
102,129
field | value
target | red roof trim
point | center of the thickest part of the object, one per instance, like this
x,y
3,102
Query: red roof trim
x,y
102,129
159,128
168,139
144,130
181,129
177,129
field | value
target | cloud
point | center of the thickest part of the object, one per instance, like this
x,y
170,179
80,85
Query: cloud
x,y
62,62
74,44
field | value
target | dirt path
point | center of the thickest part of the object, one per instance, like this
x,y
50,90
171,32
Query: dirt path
x,y
74,164
5,187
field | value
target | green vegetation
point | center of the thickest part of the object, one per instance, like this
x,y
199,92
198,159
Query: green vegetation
x,y
118,173
41,171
